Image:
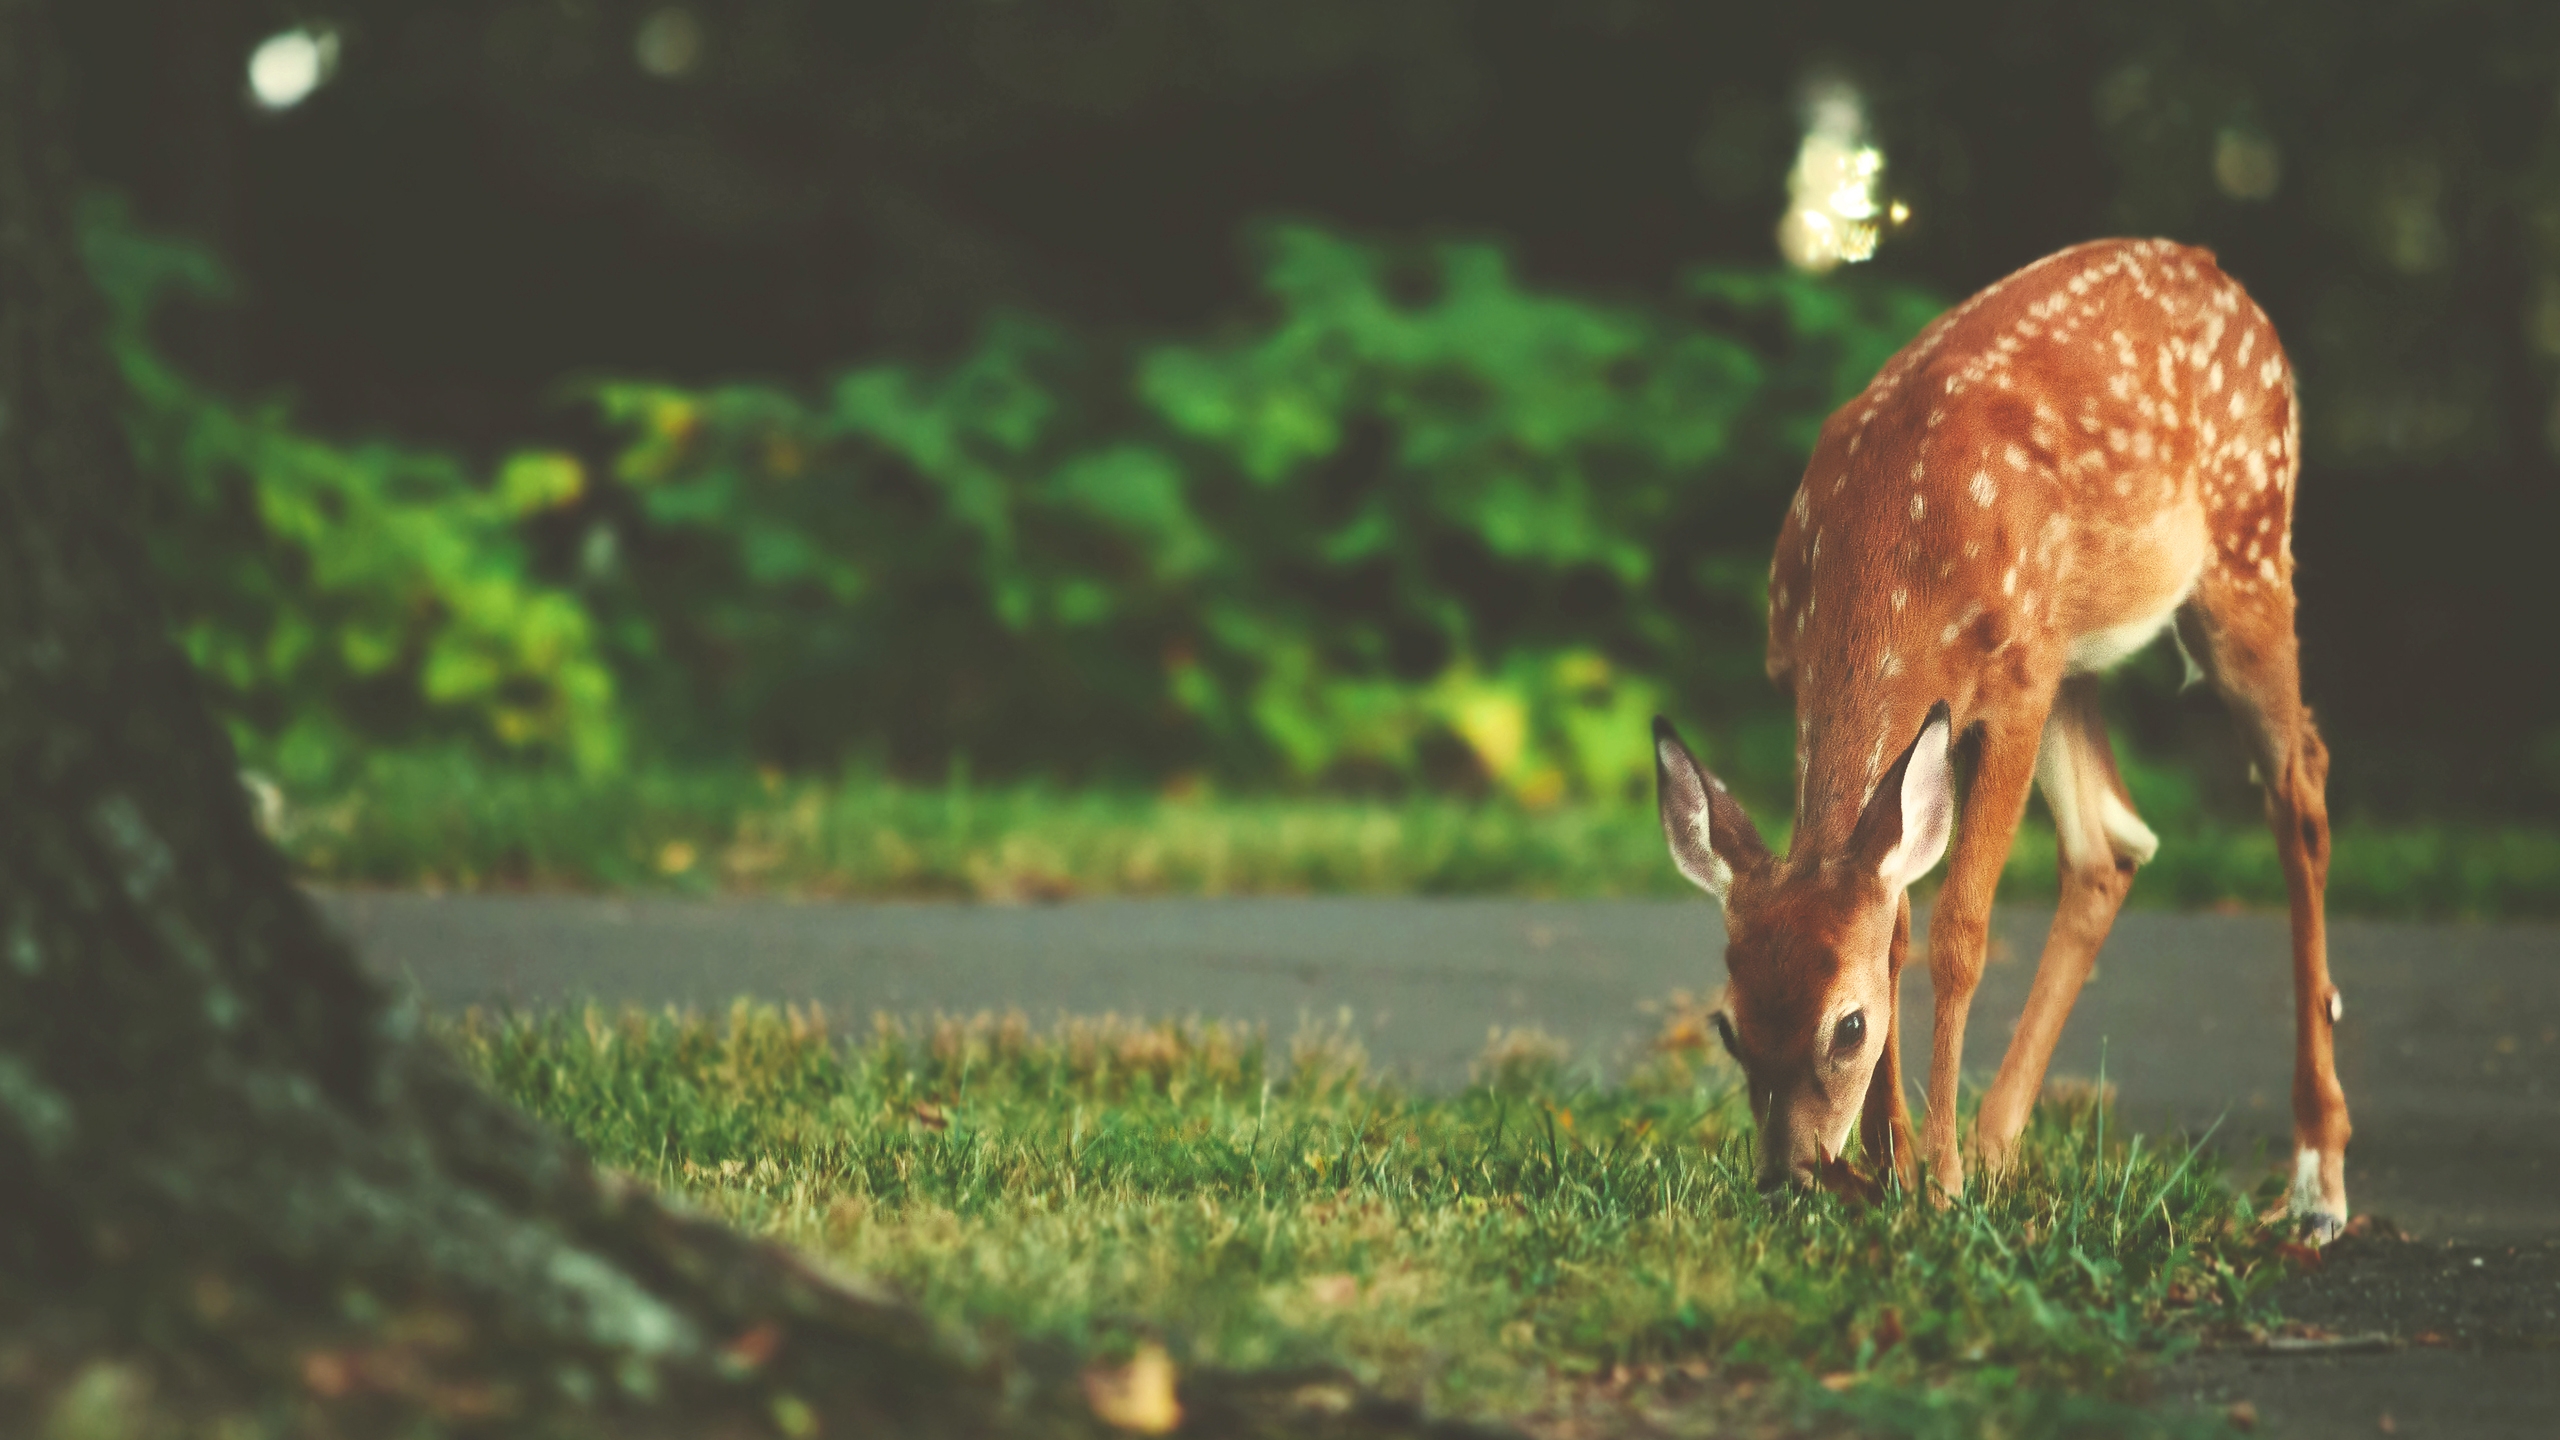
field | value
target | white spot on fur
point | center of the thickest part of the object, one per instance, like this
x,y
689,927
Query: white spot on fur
x,y
1919,506
1984,492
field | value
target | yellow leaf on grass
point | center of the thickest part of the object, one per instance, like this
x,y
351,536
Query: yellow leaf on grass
x,y
1334,1291
1138,1396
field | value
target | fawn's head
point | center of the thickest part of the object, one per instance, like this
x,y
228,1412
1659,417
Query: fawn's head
x,y
1807,941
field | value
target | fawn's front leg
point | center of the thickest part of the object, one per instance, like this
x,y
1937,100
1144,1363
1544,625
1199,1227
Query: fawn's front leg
x,y
1885,1126
1959,924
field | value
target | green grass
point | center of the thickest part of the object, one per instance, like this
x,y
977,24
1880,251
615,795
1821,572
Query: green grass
x,y
1531,1247
450,823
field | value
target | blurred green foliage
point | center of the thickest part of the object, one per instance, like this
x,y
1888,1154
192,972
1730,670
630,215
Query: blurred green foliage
x,y
1414,521
445,821
1414,529
332,594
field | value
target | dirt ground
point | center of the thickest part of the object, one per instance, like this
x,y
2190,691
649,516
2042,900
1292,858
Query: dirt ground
x,y
2396,1335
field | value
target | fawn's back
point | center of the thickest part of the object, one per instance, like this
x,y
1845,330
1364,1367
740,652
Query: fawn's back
x,y
2030,488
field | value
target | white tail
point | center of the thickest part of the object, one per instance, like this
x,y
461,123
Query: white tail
x,y
2098,448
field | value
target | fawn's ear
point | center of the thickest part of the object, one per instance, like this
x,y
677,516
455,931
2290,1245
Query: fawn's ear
x,y
1913,811
1710,836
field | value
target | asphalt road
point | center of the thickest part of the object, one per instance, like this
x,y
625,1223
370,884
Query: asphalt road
x,y
2449,1050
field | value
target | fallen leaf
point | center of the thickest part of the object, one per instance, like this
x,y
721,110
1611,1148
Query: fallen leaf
x,y
1840,1178
931,1116
1324,1399
327,1374
2301,1257
1888,1331
1334,1291
752,1349
2242,1414
2376,1226
2387,1425
1839,1380
1138,1396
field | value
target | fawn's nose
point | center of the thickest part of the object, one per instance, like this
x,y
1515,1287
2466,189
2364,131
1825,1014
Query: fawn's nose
x,y
1780,1177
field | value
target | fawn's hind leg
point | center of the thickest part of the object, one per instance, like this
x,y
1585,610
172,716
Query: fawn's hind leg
x,y
2242,634
2099,842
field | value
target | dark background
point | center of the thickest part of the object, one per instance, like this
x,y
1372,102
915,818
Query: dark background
x,y
493,196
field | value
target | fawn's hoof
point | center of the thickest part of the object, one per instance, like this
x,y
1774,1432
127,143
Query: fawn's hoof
x,y
2319,1196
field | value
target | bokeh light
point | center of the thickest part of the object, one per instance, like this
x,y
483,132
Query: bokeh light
x,y
668,43
1833,214
286,67
2246,165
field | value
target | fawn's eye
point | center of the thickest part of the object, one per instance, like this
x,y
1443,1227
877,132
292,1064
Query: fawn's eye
x,y
1852,1031
1724,1032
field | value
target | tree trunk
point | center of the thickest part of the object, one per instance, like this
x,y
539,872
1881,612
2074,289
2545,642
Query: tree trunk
x,y
218,1138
